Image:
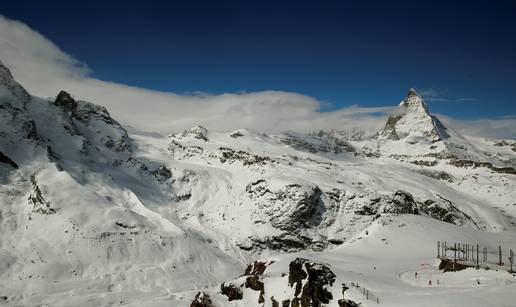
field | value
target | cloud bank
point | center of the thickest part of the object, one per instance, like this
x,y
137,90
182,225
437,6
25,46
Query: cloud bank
x,y
43,69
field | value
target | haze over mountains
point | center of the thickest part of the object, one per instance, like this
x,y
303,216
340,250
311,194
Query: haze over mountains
x,y
94,214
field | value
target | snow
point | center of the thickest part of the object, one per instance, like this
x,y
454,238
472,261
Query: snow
x,y
121,235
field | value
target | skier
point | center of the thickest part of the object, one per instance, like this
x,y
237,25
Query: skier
x,y
344,288
415,274
478,281
430,283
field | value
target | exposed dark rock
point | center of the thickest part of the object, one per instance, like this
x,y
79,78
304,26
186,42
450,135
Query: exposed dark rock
x,y
285,303
231,291
510,144
290,242
5,159
198,132
202,300
236,134
424,162
322,142
400,202
446,211
274,302
123,225
253,282
319,276
183,197
347,303
389,131
257,267
30,131
51,154
65,101
40,205
291,209
277,205
439,175
296,275
474,164
162,173
229,155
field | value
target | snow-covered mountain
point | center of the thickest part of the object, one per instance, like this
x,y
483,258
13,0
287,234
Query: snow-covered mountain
x,y
94,215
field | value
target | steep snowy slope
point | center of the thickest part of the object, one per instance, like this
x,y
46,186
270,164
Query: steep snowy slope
x,y
92,215
75,211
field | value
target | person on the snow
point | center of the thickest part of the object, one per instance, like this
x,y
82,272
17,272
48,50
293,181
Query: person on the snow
x,y
430,283
415,274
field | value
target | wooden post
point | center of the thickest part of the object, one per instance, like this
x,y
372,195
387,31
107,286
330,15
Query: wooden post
x,y
438,249
454,255
511,256
477,257
499,255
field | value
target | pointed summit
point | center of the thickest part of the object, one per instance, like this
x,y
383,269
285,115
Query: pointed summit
x,y
412,93
413,102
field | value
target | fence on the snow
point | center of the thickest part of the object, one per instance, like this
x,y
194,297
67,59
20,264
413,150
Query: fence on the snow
x,y
366,292
476,256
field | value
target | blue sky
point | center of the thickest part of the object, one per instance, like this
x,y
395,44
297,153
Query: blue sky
x,y
462,55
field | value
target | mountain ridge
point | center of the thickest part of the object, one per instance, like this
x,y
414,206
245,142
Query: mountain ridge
x,y
133,215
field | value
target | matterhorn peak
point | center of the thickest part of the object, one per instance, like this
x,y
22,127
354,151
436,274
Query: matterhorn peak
x,y
414,102
413,119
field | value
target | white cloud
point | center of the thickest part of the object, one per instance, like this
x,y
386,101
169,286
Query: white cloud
x,y
431,94
503,128
43,69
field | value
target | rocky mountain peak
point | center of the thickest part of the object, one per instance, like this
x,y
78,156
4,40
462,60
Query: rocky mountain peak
x,y
412,118
65,101
64,98
414,102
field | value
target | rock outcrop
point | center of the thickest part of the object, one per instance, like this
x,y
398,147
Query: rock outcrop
x,y
306,284
202,300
